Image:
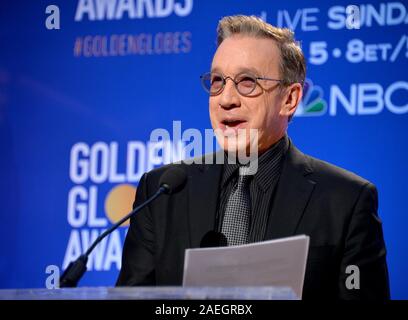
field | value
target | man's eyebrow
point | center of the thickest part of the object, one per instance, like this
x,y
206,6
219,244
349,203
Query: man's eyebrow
x,y
240,70
216,70
248,70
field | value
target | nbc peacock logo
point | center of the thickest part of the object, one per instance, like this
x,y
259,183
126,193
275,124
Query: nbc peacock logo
x,y
312,103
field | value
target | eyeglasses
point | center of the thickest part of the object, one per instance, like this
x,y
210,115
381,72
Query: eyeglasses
x,y
245,83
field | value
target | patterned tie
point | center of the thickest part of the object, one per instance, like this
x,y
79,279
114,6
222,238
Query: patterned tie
x,y
237,216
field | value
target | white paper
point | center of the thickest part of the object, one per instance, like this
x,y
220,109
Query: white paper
x,y
280,262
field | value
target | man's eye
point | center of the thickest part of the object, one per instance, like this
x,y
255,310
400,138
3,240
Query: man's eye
x,y
247,82
216,80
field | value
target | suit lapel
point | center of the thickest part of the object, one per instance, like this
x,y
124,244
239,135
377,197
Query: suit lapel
x,y
204,183
292,195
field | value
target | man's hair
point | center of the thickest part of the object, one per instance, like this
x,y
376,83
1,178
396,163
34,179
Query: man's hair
x,y
292,63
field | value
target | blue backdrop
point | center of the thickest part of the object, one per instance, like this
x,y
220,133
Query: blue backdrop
x,y
78,105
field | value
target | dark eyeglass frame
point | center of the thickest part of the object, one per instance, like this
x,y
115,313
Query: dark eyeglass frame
x,y
207,76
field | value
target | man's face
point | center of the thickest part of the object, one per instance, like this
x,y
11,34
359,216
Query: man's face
x,y
263,109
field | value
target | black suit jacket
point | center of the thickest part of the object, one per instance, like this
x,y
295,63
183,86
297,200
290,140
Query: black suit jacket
x,y
336,208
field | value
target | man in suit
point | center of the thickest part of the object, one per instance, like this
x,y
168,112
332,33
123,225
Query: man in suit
x,y
256,83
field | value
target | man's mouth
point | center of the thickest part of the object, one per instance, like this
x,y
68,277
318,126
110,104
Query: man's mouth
x,y
231,126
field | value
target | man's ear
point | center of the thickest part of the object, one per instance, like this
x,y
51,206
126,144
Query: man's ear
x,y
291,99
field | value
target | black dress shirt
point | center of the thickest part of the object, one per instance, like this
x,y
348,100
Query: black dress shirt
x,y
262,188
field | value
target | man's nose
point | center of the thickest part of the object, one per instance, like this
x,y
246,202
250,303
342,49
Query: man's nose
x,y
229,97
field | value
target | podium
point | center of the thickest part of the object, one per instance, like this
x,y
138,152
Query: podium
x,y
151,293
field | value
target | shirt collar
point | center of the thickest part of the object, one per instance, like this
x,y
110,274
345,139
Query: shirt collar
x,y
269,165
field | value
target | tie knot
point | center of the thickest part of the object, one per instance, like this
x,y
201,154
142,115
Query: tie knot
x,y
244,175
